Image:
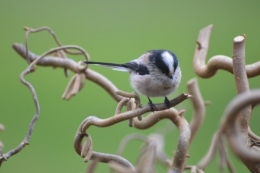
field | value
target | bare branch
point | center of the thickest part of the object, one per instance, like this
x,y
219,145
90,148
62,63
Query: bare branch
x,y
73,66
243,118
128,138
33,121
81,132
157,141
241,82
229,126
51,61
106,158
203,163
224,159
88,154
29,69
198,106
2,128
216,62
92,120
180,154
184,138
92,166
46,28
120,168
193,169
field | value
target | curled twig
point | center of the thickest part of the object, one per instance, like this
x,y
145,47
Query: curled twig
x,y
131,95
89,154
81,133
130,104
60,53
91,120
229,126
216,62
34,119
71,65
76,83
183,144
45,28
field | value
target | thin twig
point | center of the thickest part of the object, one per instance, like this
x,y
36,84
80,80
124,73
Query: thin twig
x,y
46,28
128,138
51,61
198,106
224,159
203,163
33,121
106,158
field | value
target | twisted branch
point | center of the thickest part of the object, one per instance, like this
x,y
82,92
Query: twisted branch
x,y
216,62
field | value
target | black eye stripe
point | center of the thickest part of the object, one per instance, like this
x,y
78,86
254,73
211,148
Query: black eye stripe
x,y
156,58
161,65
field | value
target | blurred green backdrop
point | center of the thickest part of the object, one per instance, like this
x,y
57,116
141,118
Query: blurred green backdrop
x,y
116,31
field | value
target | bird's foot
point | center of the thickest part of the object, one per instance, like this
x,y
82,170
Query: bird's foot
x,y
167,102
152,106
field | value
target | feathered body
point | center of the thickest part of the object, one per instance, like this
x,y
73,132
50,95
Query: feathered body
x,y
156,73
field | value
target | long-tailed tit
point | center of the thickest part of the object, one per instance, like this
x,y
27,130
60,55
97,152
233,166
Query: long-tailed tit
x,y
156,73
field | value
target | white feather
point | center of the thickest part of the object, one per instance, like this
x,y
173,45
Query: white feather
x,y
121,69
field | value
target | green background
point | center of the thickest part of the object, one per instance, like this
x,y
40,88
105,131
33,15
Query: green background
x,y
113,31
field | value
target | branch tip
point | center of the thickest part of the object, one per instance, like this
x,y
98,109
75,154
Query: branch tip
x,y
181,112
26,28
239,38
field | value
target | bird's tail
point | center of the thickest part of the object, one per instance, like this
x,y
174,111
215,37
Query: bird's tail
x,y
119,67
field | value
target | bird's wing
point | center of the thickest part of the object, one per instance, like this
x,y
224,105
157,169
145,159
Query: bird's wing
x,y
137,67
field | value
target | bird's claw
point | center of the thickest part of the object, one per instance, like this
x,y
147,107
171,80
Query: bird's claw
x,y
167,102
152,106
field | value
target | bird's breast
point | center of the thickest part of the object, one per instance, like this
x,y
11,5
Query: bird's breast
x,y
151,86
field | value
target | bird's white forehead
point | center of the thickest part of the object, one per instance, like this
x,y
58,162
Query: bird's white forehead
x,y
168,60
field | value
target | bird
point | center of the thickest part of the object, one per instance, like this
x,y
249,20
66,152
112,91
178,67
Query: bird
x,y
156,73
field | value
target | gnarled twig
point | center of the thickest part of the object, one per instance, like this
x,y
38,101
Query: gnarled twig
x,y
81,133
34,119
216,62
